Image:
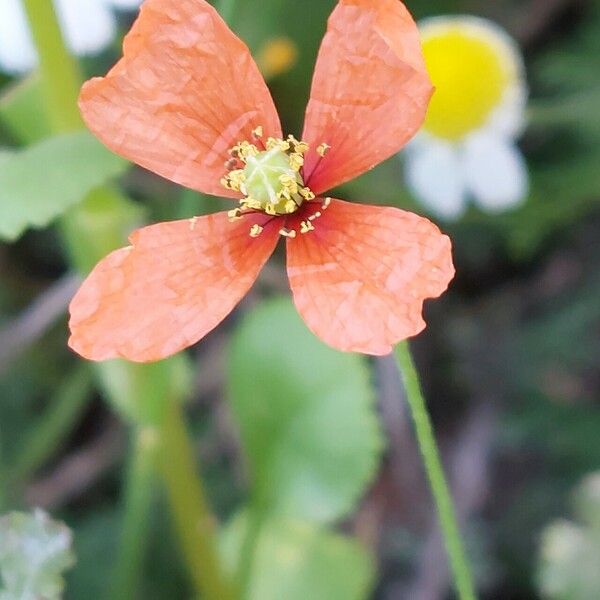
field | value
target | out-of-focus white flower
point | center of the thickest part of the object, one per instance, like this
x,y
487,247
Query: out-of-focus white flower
x,y
466,149
88,25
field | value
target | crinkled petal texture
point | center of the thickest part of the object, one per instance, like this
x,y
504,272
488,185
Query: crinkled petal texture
x,y
186,90
370,90
359,280
175,283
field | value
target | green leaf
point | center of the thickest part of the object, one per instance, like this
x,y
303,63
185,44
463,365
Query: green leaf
x,y
306,415
34,553
297,560
41,182
23,112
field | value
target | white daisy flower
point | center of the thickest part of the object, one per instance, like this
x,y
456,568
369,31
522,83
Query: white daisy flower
x,y
89,26
466,149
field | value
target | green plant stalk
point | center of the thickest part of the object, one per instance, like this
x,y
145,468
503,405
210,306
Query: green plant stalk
x,y
65,407
459,565
136,525
60,82
193,520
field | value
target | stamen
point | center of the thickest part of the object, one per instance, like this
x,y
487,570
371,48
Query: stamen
x,y
251,204
193,222
299,147
296,161
306,193
315,216
306,226
234,215
323,149
287,233
326,203
256,230
273,143
258,132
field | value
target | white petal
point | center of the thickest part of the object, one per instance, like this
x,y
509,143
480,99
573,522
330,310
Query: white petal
x,y
124,4
17,53
89,25
495,171
434,175
509,118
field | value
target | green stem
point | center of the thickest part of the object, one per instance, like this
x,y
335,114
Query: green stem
x,y
61,79
194,521
136,522
54,425
461,573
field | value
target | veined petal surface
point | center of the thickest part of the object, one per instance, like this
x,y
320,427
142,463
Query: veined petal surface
x,y
186,90
173,285
370,91
360,278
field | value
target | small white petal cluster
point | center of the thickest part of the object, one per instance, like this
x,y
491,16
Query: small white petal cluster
x,y
485,166
89,26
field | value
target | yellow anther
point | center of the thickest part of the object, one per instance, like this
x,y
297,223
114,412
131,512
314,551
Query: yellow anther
x,y
323,149
258,132
234,180
243,150
290,207
299,146
315,216
270,209
234,215
287,233
306,226
289,183
277,143
296,161
256,230
251,204
306,193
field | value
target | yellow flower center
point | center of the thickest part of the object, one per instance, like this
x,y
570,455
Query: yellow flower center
x,y
471,67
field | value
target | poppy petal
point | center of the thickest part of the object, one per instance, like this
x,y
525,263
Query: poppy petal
x,y
360,278
186,90
176,283
370,91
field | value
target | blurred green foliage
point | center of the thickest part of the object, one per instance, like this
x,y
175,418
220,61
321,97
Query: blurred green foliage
x,y
306,415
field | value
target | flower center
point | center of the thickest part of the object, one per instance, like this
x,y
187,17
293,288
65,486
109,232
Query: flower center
x,y
472,67
269,175
270,178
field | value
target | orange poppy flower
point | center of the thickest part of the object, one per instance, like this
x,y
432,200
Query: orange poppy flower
x,y
187,101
